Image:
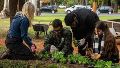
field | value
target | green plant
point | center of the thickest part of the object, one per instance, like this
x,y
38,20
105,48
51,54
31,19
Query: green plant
x,y
103,64
12,64
58,57
72,58
82,59
45,55
63,60
116,65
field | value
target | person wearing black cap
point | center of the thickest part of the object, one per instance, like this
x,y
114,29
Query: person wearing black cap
x,y
59,37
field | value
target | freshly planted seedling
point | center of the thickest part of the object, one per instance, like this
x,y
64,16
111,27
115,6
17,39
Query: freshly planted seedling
x,y
82,59
45,55
63,60
103,64
72,59
58,57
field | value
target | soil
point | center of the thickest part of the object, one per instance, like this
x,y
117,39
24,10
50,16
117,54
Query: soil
x,y
2,42
40,42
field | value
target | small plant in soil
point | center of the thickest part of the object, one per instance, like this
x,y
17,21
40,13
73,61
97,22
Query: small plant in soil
x,y
58,57
82,59
45,55
72,59
116,65
103,64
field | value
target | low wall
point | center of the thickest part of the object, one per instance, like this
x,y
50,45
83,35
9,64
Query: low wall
x,y
113,24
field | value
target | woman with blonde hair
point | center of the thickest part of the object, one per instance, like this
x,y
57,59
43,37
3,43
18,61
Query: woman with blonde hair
x,y
18,33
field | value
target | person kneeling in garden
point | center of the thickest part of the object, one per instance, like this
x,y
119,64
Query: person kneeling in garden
x,y
109,51
59,37
18,33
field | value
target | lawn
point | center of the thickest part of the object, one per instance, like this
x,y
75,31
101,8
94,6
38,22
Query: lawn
x,y
44,19
104,18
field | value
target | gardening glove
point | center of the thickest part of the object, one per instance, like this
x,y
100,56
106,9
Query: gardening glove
x,y
75,43
95,56
80,42
33,48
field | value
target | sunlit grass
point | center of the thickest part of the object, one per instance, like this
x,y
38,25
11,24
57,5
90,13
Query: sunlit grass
x,y
43,19
49,17
61,10
109,17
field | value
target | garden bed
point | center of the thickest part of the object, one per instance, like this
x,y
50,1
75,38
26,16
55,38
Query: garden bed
x,y
55,61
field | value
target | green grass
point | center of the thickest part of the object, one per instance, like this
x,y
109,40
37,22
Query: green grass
x,y
109,17
44,19
119,10
4,26
61,10
49,17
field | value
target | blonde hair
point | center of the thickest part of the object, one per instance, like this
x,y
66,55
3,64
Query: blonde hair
x,y
28,10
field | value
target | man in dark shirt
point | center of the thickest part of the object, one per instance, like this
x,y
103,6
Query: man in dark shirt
x,y
60,37
82,23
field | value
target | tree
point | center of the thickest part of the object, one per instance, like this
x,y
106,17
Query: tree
x,y
36,3
1,4
109,2
70,2
5,9
118,1
115,5
94,5
51,2
13,7
58,2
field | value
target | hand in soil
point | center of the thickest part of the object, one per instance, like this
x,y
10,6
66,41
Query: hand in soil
x,y
33,48
95,56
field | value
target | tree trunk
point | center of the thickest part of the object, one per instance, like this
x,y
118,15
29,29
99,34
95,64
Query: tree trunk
x,y
20,5
13,7
109,2
79,1
94,6
83,2
118,1
5,11
116,8
1,4
6,4
51,2
38,8
34,2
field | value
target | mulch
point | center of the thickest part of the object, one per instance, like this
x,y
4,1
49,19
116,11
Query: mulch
x,y
40,42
